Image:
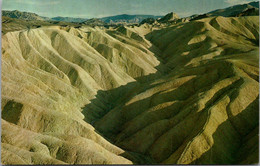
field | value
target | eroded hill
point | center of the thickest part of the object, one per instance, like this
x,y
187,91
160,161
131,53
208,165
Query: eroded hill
x,y
181,94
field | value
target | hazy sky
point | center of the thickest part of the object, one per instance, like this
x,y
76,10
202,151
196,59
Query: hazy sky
x,y
101,8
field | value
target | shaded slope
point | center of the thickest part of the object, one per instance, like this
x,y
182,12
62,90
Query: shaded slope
x,y
179,94
249,12
213,76
169,17
51,73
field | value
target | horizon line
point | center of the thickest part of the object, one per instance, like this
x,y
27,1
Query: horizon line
x,y
81,17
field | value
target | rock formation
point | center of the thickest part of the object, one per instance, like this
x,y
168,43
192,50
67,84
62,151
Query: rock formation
x,y
186,93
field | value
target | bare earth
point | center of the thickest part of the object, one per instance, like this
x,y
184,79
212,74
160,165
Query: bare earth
x,y
186,93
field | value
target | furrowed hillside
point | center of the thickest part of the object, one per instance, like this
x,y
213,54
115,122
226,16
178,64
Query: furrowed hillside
x,y
185,93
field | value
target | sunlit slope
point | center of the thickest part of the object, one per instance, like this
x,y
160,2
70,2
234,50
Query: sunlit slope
x,y
48,74
205,108
185,93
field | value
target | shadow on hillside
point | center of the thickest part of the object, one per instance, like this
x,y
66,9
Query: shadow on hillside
x,y
110,100
106,100
185,95
231,149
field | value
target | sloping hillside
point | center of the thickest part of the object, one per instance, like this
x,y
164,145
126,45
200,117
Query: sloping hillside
x,y
13,24
48,74
235,10
182,94
202,110
22,15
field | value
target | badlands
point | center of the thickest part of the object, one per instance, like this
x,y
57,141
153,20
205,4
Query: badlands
x,y
171,92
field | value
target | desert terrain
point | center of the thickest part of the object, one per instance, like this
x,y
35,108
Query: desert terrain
x,y
161,91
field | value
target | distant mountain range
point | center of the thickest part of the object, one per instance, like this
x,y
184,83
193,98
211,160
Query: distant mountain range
x,y
159,93
68,19
22,15
251,8
125,18
32,16
93,21
234,10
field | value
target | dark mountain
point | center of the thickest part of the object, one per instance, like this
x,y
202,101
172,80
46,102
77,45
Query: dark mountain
x,y
69,19
32,16
249,12
254,4
234,10
94,21
15,24
148,21
198,17
125,18
169,17
249,9
23,15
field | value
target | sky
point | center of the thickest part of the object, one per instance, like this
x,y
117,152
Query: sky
x,y
102,8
